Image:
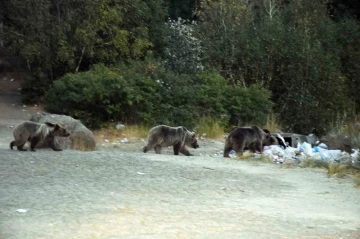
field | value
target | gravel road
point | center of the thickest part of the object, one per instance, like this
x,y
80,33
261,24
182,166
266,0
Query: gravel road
x,y
124,193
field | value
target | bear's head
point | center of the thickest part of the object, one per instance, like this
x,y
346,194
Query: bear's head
x,y
270,140
58,130
191,140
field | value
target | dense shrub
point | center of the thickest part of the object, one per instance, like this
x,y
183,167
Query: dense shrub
x,y
249,105
34,87
146,93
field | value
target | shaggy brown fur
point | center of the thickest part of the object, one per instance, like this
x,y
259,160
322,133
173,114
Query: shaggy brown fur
x,y
164,136
35,133
252,138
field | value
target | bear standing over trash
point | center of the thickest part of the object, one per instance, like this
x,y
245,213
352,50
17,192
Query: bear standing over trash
x,y
164,136
252,138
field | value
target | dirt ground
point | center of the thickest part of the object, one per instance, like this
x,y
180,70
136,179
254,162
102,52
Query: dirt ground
x,y
119,192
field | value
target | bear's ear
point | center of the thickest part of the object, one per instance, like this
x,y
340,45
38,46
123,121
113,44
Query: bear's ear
x,y
49,124
57,127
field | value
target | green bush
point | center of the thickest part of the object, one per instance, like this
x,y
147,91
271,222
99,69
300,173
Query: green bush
x,y
144,92
249,105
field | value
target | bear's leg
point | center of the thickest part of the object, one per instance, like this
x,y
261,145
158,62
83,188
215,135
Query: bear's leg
x,y
239,146
20,147
157,149
177,148
19,144
150,144
12,144
186,152
227,149
252,147
258,147
51,143
33,142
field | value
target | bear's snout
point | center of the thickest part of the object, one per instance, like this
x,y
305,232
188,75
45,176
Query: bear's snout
x,y
195,145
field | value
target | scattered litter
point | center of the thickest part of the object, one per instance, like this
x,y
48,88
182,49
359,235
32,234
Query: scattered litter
x,y
12,80
140,173
106,140
218,154
24,106
208,168
23,110
305,151
232,154
120,126
21,210
124,140
306,148
11,126
355,153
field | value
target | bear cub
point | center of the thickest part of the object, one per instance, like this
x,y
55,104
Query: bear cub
x,y
37,132
164,136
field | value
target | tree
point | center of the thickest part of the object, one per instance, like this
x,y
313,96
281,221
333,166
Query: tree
x,y
183,51
292,50
54,37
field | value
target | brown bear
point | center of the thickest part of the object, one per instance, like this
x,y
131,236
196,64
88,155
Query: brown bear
x,y
35,133
252,138
164,136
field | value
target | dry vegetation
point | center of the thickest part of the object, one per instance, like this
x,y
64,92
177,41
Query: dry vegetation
x,y
213,130
110,132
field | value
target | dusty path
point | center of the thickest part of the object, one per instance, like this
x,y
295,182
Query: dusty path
x,y
123,193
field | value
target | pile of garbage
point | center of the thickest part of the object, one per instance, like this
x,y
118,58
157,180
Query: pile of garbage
x,y
305,151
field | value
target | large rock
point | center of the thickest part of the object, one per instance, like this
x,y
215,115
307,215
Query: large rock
x,y
80,138
337,142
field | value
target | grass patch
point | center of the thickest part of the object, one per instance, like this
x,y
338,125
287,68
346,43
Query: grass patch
x,y
356,179
247,156
211,128
338,170
110,132
312,163
272,123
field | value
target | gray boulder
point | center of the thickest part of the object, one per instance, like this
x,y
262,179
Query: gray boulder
x,y
341,142
80,138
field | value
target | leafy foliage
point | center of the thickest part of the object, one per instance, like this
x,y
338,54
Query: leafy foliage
x,y
239,61
293,51
145,92
183,51
57,37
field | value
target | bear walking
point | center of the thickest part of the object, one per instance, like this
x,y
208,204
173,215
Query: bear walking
x,y
164,136
35,133
252,138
